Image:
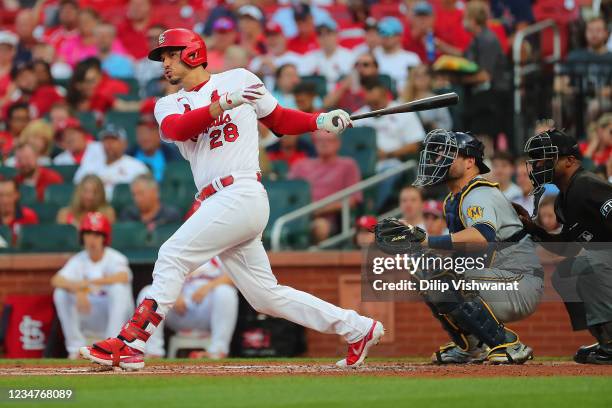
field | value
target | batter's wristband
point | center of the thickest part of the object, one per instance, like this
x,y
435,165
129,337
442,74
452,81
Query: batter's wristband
x,y
440,242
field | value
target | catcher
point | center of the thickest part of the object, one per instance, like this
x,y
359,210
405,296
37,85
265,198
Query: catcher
x,y
477,214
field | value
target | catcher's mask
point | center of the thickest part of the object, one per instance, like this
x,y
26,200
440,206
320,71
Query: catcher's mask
x,y
439,152
543,151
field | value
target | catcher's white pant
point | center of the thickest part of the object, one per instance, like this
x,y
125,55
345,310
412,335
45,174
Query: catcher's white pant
x,y
107,314
229,224
216,314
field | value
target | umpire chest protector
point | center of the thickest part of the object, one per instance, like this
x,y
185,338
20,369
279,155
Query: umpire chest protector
x,y
452,203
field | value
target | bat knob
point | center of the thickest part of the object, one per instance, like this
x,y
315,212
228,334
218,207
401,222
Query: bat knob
x,y
335,121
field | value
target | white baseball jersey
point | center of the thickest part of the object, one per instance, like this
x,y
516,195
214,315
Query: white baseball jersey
x,y
81,267
231,143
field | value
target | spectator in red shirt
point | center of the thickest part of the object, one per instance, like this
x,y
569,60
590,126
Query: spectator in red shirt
x,y
77,144
250,26
448,24
8,48
29,172
306,38
90,89
422,37
327,174
290,149
68,15
349,93
224,36
17,118
12,213
40,97
133,30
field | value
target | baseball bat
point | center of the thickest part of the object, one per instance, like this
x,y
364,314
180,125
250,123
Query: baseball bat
x,y
432,102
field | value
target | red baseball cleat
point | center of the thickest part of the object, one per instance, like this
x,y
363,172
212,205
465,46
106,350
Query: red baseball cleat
x,y
114,352
358,351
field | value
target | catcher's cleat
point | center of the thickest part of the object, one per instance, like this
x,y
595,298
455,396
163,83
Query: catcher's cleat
x,y
358,351
510,353
451,353
114,352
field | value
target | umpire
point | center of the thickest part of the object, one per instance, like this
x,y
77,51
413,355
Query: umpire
x,y
584,207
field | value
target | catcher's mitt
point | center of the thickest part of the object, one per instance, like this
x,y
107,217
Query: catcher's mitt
x,y
394,237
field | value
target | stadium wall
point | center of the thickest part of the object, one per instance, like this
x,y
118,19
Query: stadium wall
x,y
333,276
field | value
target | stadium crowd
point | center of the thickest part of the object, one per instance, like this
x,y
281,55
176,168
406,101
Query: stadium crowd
x,y
77,92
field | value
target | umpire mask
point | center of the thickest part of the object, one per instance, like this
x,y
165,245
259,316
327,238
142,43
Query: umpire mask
x,y
542,158
439,152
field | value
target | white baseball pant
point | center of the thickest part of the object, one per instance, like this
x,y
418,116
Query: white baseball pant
x,y
108,313
217,314
230,224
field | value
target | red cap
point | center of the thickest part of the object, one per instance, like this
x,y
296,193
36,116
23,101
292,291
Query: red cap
x,y
70,123
366,222
96,222
272,27
433,207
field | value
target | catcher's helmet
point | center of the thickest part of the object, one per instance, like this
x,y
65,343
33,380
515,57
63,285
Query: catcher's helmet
x,y
193,47
543,151
96,222
440,149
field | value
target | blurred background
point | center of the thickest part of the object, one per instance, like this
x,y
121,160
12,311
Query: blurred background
x,y
77,132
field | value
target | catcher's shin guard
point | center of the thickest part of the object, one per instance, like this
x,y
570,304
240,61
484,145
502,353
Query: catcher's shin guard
x,y
137,331
474,316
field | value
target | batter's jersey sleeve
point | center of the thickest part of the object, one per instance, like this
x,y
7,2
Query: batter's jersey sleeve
x,y
264,106
164,107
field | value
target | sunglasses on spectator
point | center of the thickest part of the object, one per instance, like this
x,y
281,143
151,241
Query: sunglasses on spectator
x,y
363,64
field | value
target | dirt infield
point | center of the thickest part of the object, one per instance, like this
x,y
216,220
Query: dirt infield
x,y
539,369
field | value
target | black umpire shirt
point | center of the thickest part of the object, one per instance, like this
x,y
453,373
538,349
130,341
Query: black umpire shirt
x,y
585,209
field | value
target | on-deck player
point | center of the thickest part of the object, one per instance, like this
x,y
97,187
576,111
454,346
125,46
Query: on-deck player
x,y
213,121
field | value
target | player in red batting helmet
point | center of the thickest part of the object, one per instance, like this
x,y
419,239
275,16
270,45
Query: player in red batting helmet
x,y
193,48
97,223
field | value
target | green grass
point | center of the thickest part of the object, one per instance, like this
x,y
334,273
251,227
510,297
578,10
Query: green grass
x,y
116,391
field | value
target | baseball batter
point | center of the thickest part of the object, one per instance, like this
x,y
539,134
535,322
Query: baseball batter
x,y
213,121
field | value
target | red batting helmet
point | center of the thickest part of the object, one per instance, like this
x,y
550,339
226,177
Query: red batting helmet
x,y
96,222
194,48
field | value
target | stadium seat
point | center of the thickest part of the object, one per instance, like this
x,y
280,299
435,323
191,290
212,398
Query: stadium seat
x,y
360,144
27,195
319,82
126,120
129,235
48,238
88,122
286,196
7,172
178,172
134,93
122,197
59,194
66,171
280,168
389,83
47,213
162,233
